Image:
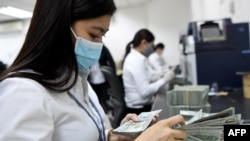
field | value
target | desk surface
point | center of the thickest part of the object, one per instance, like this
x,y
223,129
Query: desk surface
x,y
233,99
218,103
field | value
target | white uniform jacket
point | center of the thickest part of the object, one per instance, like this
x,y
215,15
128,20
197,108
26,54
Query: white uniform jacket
x,y
29,112
139,90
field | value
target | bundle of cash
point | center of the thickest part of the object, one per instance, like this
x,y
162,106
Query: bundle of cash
x,y
209,127
201,127
191,95
173,110
134,128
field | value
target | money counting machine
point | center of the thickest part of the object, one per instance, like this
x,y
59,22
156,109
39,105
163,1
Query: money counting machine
x,y
220,49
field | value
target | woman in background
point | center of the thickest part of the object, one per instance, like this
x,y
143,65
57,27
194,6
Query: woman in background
x,y
138,77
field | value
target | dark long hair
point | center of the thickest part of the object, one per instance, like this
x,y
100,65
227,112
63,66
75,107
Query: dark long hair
x,y
48,49
142,34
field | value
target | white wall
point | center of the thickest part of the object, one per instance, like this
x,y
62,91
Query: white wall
x,y
168,19
165,18
123,26
237,10
11,42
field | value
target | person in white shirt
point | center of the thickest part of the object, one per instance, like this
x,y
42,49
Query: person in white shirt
x,y
45,95
155,59
158,66
139,87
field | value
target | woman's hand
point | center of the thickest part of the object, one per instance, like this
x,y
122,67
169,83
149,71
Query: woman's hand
x,y
163,131
133,117
115,137
128,117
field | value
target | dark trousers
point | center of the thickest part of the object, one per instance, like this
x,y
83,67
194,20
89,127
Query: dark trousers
x,y
137,111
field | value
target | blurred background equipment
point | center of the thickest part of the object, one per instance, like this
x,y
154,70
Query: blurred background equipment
x,y
215,51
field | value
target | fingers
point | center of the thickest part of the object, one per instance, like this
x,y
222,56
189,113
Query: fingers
x,y
169,75
128,117
172,68
174,120
155,119
163,131
179,134
132,116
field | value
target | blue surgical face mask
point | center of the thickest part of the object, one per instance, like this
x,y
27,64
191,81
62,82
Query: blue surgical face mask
x,y
160,52
87,52
149,49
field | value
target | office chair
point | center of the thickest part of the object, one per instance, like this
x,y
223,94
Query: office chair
x,y
116,93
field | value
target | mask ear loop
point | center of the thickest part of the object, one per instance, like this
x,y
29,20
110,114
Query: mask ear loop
x,y
73,32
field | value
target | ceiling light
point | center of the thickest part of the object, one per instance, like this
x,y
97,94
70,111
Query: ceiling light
x,y
15,12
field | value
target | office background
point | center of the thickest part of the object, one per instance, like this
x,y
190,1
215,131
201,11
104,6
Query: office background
x,y
167,19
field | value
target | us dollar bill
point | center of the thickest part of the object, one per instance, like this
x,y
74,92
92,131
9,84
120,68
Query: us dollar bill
x,y
134,128
225,113
192,138
233,119
211,126
208,133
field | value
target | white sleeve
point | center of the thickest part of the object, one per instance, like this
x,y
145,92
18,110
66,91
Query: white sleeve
x,y
25,113
155,62
141,79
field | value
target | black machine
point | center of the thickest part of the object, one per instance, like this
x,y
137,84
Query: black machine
x,y
221,50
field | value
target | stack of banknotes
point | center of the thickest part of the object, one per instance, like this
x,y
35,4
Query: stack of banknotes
x,y
209,127
189,97
201,127
132,128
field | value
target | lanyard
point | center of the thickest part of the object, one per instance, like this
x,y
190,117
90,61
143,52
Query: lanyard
x,y
101,131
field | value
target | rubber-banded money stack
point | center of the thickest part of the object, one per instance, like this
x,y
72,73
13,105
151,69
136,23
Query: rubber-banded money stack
x,y
189,97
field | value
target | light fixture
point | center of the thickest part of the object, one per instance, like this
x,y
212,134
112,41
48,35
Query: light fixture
x,y
15,12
